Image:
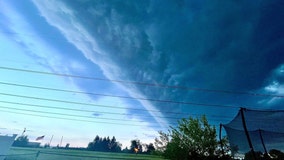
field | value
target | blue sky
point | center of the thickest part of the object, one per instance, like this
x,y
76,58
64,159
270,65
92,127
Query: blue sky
x,y
181,56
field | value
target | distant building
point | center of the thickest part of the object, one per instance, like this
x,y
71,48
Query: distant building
x,y
6,142
33,144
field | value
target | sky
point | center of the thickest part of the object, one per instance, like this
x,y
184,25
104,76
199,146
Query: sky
x,y
81,68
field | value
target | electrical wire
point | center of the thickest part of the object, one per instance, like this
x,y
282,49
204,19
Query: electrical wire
x,y
72,119
144,83
117,96
112,113
73,115
79,110
106,106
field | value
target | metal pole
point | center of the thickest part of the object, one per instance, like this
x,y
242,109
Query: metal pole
x,y
261,138
247,133
23,131
50,140
61,141
220,138
37,154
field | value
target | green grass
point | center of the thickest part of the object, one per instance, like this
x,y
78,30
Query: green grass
x,y
17,153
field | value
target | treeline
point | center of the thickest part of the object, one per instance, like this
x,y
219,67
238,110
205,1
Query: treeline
x,y
100,144
193,138
138,147
104,144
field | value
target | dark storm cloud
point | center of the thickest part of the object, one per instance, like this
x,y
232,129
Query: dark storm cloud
x,y
223,45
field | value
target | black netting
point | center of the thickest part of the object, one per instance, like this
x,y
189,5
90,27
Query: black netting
x,y
261,125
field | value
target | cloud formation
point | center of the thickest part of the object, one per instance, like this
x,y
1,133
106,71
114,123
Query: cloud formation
x,y
67,22
231,45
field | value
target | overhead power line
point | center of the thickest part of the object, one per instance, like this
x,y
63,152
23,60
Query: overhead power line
x,y
72,115
81,110
64,114
112,113
119,96
106,106
72,119
79,116
144,83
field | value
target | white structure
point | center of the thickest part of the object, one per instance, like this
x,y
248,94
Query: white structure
x,y
5,144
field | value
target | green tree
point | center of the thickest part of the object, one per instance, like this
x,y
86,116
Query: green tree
x,y
150,148
67,146
224,151
104,144
276,154
114,146
136,146
161,142
191,139
258,155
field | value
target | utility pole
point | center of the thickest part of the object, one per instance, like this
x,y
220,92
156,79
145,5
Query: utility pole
x,y
50,140
61,141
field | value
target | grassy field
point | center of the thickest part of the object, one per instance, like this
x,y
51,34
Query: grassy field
x,y
17,153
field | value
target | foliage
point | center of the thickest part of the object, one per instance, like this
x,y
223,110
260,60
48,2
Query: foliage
x,y
150,148
276,154
126,150
138,147
21,141
258,155
46,145
67,145
273,154
223,149
104,144
161,142
136,144
191,139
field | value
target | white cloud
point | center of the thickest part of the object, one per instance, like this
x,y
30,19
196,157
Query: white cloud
x,y
275,86
33,44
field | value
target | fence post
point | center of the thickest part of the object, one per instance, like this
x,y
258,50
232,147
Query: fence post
x,y
37,155
220,139
247,133
261,138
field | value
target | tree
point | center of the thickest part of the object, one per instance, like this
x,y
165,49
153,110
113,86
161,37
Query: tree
x,y
276,154
161,142
67,146
21,141
136,146
150,148
224,151
96,145
126,150
46,145
114,146
191,139
250,156
104,145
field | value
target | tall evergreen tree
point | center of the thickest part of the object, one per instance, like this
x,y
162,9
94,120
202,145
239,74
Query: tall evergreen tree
x,y
104,144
